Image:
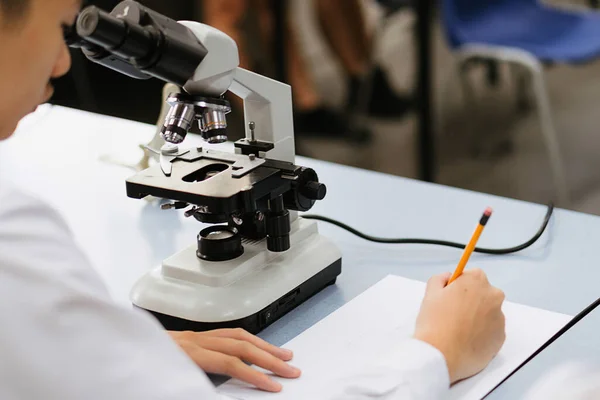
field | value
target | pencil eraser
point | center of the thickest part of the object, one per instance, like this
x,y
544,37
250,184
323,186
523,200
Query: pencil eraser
x,y
488,212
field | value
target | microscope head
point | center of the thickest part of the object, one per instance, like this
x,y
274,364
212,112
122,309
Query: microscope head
x,y
141,43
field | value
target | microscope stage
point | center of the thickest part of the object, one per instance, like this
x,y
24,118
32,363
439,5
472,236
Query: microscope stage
x,y
216,180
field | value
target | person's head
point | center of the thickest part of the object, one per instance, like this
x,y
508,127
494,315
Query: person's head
x,y
32,52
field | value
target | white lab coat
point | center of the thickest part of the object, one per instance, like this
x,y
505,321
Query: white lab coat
x,y
63,338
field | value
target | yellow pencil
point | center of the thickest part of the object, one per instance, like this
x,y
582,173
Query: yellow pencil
x,y
471,246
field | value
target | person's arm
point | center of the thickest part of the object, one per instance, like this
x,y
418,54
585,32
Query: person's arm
x,y
411,370
62,336
460,328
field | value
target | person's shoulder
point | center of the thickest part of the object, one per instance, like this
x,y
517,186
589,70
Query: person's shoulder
x,y
33,235
20,208
14,196
36,240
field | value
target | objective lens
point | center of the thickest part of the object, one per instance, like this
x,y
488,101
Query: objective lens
x,y
213,126
178,122
215,136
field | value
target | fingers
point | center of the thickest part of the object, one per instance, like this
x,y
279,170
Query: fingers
x,y
503,330
498,295
250,353
218,363
438,282
473,277
215,352
240,334
479,278
477,274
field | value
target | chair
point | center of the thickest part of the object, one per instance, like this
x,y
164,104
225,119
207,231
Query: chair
x,y
390,8
529,34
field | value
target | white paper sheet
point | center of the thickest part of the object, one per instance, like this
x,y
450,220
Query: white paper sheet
x,y
384,314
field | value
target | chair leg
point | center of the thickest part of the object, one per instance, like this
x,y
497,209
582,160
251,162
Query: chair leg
x,y
460,72
359,114
522,82
440,116
550,136
528,60
469,104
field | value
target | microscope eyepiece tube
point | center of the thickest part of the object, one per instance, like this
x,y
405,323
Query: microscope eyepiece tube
x,y
101,28
153,44
89,22
128,41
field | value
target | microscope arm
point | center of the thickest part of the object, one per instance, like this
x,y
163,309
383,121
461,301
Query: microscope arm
x,y
267,103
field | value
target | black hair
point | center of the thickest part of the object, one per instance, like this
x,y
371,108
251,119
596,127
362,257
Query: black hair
x,y
13,9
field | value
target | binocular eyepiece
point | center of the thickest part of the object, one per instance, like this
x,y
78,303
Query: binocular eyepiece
x,y
138,42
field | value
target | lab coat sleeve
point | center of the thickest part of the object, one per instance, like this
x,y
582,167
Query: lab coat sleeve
x,y
413,370
62,337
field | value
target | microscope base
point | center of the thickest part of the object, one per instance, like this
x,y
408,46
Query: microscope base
x,y
257,322
249,292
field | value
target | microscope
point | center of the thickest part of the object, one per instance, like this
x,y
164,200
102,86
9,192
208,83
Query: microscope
x,y
257,259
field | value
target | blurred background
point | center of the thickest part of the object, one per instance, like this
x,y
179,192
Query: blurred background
x,y
496,96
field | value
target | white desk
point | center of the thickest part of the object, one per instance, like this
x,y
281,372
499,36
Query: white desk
x,y
56,154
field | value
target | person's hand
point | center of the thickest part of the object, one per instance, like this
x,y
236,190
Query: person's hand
x,y
463,320
224,351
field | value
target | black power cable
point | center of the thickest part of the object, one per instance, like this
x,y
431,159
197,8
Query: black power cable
x,y
509,250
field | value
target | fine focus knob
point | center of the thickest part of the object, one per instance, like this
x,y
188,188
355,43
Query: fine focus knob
x,y
314,190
